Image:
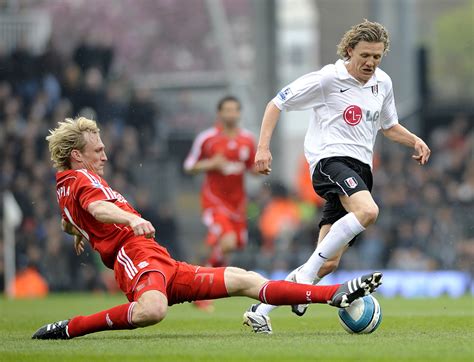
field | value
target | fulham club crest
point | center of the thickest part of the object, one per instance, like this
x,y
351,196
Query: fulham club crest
x,y
351,182
375,90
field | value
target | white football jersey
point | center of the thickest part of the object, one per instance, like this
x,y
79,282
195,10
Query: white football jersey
x,y
346,115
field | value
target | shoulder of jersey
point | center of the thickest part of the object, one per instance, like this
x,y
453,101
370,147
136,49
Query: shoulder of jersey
x,y
328,72
328,69
73,177
382,76
68,175
208,132
246,133
84,173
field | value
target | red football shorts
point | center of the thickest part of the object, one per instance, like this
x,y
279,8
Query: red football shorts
x,y
142,265
220,223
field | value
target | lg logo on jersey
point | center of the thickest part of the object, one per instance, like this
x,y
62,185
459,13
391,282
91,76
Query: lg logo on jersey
x,y
353,115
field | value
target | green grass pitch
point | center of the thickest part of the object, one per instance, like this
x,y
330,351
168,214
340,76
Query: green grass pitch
x,y
415,330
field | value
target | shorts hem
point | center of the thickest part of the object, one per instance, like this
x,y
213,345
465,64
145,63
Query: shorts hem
x,y
143,272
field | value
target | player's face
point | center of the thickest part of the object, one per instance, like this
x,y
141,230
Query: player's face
x,y
229,114
93,156
364,59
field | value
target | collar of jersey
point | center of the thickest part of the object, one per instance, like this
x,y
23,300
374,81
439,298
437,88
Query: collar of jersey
x,y
220,127
343,74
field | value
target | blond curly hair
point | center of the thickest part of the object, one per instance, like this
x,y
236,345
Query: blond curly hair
x,y
68,136
368,31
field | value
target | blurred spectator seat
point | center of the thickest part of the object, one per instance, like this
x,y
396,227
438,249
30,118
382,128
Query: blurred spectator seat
x,y
30,27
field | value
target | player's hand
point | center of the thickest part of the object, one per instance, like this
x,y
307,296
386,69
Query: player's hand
x,y
141,226
78,244
69,228
422,152
219,162
263,161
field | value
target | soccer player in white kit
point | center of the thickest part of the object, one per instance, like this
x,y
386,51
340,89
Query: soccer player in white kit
x,y
351,101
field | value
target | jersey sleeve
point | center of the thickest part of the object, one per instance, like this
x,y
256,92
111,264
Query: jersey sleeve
x,y
388,115
303,93
196,152
89,188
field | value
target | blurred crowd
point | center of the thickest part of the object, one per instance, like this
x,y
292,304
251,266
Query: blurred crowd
x,y
38,91
137,30
426,219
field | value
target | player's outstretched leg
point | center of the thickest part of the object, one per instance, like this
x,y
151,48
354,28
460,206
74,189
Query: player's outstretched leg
x,y
56,330
284,293
119,317
150,308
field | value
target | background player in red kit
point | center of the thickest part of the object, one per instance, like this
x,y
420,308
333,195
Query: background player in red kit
x,y
144,271
224,152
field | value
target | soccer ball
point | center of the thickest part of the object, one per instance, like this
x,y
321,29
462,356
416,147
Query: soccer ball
x,y
362,316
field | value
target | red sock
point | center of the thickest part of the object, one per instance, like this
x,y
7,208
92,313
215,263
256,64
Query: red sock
x,y
119,317
280,292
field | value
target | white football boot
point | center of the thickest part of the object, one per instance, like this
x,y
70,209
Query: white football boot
x,y
258,322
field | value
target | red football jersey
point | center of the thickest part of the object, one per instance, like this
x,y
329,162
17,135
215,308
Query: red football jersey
x,y
224,190
76,189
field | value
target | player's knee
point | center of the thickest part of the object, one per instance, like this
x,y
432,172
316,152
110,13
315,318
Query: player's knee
x,y
157,313
243,282
369,214
372,213
228,242
255,277
254,281
151,308
153,314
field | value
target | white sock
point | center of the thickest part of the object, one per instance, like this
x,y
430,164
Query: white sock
x,y
265,309
340,234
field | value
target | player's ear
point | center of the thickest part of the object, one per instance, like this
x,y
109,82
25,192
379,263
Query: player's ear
x,y
76,155
349,52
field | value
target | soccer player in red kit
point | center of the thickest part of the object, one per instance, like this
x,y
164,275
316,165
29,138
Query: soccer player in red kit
x,y
92,211
224,153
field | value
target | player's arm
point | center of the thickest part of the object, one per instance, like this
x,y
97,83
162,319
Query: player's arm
x,y
70,229
109,213
263,156
215,163
400,134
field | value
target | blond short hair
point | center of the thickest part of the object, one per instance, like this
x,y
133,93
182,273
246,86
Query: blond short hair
x,y
368,31
68,136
